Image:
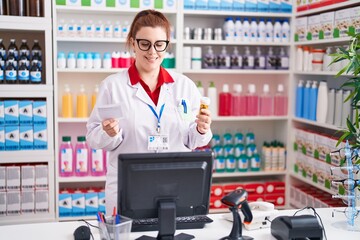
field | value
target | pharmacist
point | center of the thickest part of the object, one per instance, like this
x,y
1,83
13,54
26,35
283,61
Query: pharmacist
x,y
155,109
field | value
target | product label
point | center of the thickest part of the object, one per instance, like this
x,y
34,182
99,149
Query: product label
x,y
35,77
81,160
1,76
24,75
243,163
10,75
66,156
97,162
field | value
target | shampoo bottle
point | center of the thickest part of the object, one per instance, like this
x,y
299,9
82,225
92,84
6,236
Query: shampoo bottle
x,y
223,59
259,60
94,96
213,95
338,107
209,59
306,100
266,102
313,101
67,103
299,107
81,157
239,101
81,103
225,101
248,59
280,101
322,102
330,107
66,157
252,101
236,59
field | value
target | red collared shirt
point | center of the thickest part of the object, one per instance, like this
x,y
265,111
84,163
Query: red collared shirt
x,y
164,77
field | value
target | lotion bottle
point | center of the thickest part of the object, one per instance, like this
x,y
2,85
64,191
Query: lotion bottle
x,y
322,102
213,95
330,107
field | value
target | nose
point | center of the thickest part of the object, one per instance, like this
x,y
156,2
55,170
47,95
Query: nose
x,y
152,49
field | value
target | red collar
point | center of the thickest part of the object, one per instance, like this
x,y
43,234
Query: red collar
x,y
164,76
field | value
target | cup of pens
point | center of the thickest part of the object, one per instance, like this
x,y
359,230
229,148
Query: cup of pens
x,y
114,227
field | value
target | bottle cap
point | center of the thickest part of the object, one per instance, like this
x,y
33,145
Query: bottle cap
x,y
205,100
107,55
96,55
238,88
61,55
225,88
280,88
252,88
81,138
89,55
71,55
266,88
81,55
66,139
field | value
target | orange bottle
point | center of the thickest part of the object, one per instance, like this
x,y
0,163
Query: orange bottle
x,y
94,96
81,103
67,104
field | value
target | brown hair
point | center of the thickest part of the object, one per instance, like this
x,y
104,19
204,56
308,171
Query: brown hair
x,y
148,18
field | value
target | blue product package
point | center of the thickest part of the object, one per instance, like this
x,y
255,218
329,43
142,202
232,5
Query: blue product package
x,y
262,5
11,112
39,112
65,204
306,101
78,204
313,102
238,5
189,4
102,201
201,4
250,5
214,4
274,6
25,112
2,138
299,112
286,6
91,203
26,137
226,5
40,136
2,114
11,138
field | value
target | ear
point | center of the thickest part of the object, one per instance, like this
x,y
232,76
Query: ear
x,y
132,43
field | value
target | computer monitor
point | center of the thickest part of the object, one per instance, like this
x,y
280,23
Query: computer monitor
x,y
162,185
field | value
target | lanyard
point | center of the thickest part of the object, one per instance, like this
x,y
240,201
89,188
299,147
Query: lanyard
x,y
158,117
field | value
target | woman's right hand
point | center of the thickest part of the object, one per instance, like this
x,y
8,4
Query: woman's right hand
x,y
111,127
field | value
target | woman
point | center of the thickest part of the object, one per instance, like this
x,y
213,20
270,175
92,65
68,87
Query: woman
x,y
155,103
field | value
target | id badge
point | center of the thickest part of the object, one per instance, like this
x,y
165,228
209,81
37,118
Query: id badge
x,y
158,142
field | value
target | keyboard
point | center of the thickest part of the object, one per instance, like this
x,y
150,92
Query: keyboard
x,y
187,222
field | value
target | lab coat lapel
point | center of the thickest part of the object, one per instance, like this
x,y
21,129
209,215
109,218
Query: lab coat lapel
x,y
165,95
142,95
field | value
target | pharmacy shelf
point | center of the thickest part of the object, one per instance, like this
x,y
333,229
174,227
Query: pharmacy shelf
x,y
27,218
72,120
320,73
310,182
82,179
208,13
87,39
322,41
233,43
104,10
25,23
331,7
317,124
248,174
236,71
27,90
101,70
74,218
26,156
249,118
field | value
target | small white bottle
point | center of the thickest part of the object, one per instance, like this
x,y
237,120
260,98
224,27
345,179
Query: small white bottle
x,y
299,59
71,28
327,60
285,31
246,30
97,60
81,29
61,28
261,31
108,30
229,29
107,60
90,29
330,107
212,93
89,62
269,31
277,31
305,59
61,60
322,102
125,29
99,30
253,30
238,30
338,107
117,30
71,62
80,61
346,109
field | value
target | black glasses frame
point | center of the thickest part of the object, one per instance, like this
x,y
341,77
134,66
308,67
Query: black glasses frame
x,y
152,44
346,181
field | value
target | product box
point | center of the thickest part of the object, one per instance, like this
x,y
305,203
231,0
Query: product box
x,y
342,22
102,201
11,112
146,4
322,150
300,29
3,204
217,190
286,6
26,134
41,176
27,177
2,178
251,5
13,202
65,203
215,203
78,203
230,187
313,27
238,5
274,6
309,143
274,187
256,197
40,137
225,5
255,188
12,139
2,113
263,5
12,178
25,112
91,203
355,19
27,201
201,4
39,112
41,201
189,4
98,3
327,25
214,4
2,138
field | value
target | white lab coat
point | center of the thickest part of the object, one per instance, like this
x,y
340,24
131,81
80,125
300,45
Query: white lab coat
x,y
139,121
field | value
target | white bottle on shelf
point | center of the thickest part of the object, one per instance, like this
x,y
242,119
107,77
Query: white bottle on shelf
x,y
330,107
246,30
261,31
269,31
299,58
346,109
108,30
277,31
238,30
229,29
212,93
253,30
327,60
322,102
117,30
285,31
338,107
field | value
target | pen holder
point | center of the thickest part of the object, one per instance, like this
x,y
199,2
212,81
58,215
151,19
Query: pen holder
x,y
112,231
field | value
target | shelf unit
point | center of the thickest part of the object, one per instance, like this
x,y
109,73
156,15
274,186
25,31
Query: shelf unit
x,y
31,28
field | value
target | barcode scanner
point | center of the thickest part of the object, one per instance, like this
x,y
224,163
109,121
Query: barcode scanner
x,y
82,233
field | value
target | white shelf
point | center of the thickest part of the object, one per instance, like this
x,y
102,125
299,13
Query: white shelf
x,y
72,120
323,41
207,13
87,39
302,179
250,118
249,174
320,73
331,7
323,125
237,71
104,10
27,218
101,70
85,217
223,42
25,23
27,156
26,89
82,179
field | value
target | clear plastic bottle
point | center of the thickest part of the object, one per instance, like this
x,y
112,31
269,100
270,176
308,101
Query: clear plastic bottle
x,y
97,161
66,158
253,30
259,59
266,102
67,103
125,29
236,59
90,29
239,101
81,29
81,103
280,101
81,157
117,29
225,101
108,30
61,28
99,30
248,59
252,101
72,28
223,59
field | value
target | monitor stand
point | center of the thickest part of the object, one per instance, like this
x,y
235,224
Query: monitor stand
x,y
167,223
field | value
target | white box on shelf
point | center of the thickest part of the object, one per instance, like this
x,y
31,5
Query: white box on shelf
x,y
2,178
327,24
356,19
27,177
12,178
170,4
41,176
2,203
301,28
314,26
13,203
41,201
27,201
343,21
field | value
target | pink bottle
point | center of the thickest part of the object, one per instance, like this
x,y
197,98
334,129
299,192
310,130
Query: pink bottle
x,y
81,157
97,161
266,102
252,101
280,101
66,158
239,101
225,101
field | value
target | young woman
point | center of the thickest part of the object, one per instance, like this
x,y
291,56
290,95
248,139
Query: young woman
x,y
156,104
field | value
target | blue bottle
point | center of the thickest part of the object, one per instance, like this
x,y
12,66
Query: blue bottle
x,y
313,101
306,100
299,108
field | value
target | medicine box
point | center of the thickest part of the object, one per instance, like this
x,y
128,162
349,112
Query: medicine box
x,y
146,4
327,24
13,203
26,134
78,203
251,5
313,27
225,5
41,176
342,22
286,6
102,201
263,5
2,178
215,203
12,178
39,112
3,204
2,138
27,177
65,203
91,203
274,6
11,112
98,3
41,201
238,5
40,136
2,113
356,19
300,29
12,140
27,201
26,112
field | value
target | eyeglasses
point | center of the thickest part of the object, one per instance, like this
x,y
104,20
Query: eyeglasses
x,y
145,45
349,212
348,182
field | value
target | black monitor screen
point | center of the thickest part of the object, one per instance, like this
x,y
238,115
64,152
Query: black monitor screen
x,y
145,179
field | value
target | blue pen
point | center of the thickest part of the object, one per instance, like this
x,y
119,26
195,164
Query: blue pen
x,y
183,103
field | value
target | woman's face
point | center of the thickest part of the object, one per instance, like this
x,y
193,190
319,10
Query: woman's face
x,y
148,45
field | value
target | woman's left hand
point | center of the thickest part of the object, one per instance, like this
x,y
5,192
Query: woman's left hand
x,y
203,121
